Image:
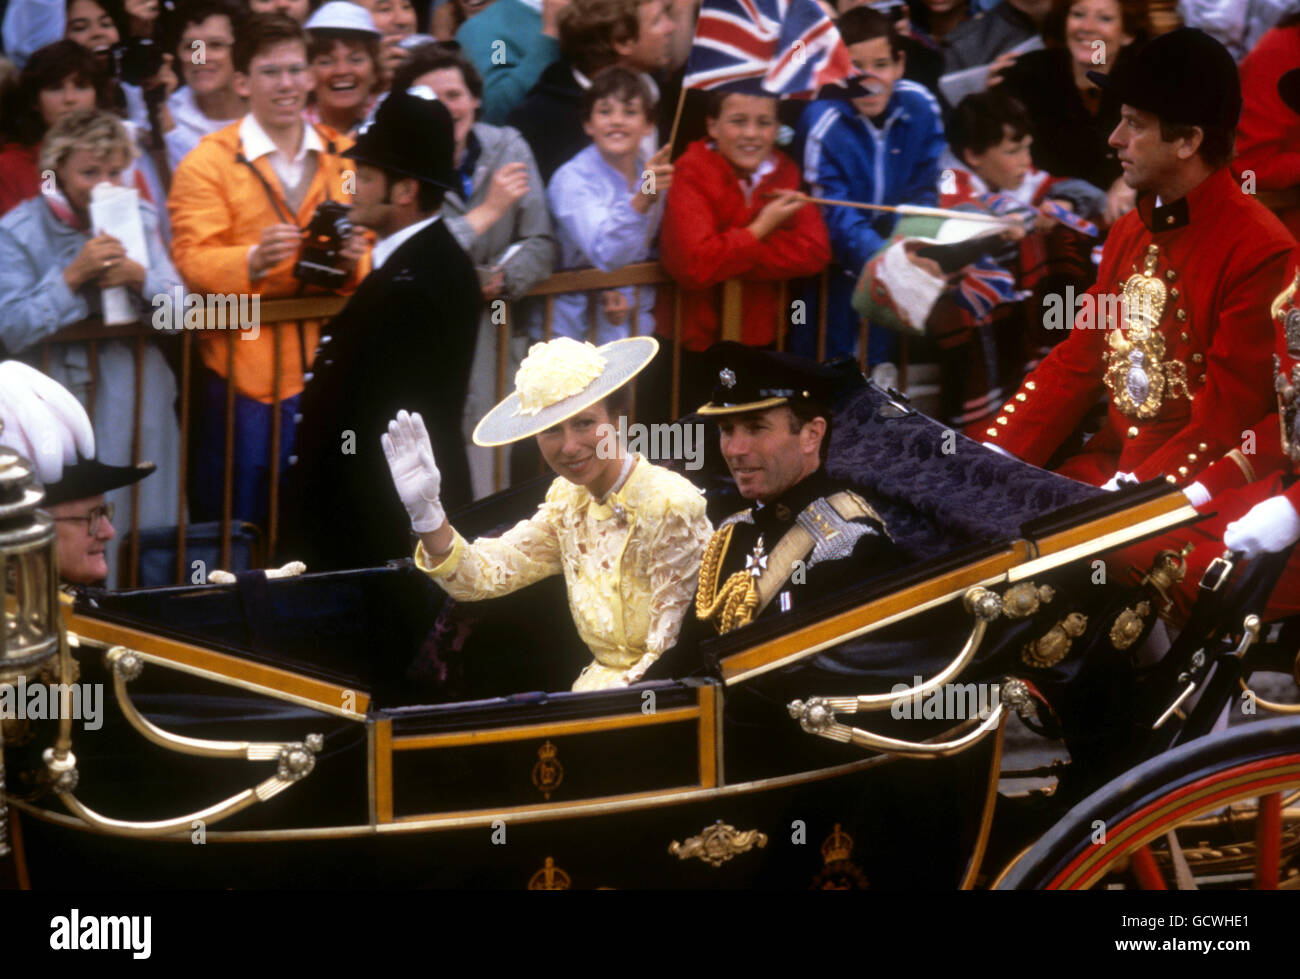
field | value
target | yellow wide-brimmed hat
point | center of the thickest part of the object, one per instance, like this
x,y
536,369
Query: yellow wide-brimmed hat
x,y
557,380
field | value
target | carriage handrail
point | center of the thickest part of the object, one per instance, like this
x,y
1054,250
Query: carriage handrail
x,y
985,606
817,717
296,760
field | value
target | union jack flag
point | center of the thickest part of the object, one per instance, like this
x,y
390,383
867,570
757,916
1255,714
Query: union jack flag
x,y
984,286
1004,204
791,46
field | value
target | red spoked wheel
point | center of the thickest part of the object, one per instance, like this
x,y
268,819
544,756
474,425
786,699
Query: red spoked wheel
x,y
1221,811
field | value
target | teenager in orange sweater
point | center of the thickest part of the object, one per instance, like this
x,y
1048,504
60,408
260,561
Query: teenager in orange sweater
x,y
239,204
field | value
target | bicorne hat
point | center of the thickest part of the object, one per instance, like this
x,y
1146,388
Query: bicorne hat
x,y
90,477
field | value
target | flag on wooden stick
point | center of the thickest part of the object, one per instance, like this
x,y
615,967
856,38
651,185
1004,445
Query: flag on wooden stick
x,y
786,47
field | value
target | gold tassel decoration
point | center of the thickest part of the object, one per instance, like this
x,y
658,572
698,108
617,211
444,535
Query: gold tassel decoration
x,y
734,604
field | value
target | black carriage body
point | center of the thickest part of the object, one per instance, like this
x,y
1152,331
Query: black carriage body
x,y
439,768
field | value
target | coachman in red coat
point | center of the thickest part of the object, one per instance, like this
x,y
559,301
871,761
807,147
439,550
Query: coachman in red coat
x,y
1184,361
1250,495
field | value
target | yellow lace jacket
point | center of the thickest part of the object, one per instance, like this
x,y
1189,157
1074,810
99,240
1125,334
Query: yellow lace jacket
x,y
631,565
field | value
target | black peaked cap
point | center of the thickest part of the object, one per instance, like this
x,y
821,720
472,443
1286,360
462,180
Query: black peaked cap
x,y
750,379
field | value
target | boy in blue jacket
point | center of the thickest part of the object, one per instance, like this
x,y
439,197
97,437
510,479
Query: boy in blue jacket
x,y
879,147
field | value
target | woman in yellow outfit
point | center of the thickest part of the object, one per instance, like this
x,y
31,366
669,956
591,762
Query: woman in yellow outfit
x,y
626,534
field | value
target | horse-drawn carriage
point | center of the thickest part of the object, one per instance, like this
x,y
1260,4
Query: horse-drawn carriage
x,y
360,727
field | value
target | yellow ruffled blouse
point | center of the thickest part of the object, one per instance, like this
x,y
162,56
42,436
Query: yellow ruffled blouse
x,y
631,564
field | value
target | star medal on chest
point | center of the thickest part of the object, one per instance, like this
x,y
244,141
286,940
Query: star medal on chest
x,y
756,563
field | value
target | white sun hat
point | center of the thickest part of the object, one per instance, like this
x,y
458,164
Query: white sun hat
x,y
557,380
340,15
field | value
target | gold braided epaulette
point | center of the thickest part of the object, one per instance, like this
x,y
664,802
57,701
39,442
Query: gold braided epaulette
x,y
734,604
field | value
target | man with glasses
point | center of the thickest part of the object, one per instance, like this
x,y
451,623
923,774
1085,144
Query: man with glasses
x,y
83,521
239,204
46,425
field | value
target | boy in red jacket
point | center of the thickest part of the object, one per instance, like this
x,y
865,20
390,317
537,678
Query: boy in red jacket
x,y
733,213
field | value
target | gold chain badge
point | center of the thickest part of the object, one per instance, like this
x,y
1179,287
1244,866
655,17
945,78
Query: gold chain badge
x,y
1139,378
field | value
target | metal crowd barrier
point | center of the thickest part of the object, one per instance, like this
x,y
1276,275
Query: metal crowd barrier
x,y
278,313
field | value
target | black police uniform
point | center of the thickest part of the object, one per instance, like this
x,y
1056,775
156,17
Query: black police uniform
x,y
404,340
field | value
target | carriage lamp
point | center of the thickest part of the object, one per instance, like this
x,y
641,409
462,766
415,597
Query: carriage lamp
x,y
29,573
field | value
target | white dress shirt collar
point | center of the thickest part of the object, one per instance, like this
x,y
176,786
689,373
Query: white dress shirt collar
x,y
385,247
257,143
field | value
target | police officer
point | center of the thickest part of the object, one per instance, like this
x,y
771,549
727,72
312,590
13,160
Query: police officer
x,y
404,340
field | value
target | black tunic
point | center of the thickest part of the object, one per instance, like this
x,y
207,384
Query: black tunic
x,y
872,554
404,340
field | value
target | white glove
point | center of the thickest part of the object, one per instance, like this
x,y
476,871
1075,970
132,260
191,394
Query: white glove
x,y
1266,527
415,474
42,420
1118,480
637,670
1197,495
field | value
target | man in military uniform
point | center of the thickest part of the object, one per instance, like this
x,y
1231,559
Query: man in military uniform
x,y
805,535
1184,360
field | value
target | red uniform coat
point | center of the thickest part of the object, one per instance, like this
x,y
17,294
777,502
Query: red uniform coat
x,y
1219,256
704,241
1253,471
1268,136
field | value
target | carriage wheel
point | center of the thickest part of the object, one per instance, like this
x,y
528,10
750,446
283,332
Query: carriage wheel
x,y
1220,811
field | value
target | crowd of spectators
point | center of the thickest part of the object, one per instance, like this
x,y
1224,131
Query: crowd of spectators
x,y
229,118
